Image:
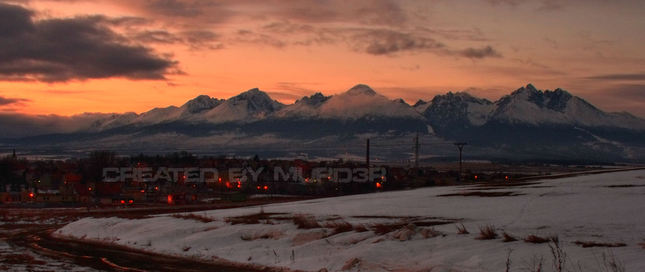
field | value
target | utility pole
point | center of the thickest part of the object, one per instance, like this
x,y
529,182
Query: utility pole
x,y
416,151
460,146
367,152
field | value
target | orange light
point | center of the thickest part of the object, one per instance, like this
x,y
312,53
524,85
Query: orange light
x,y
266,187
31,195
475,176
239,185
506,177
378,185
169,199
228,184
89,188
157,188
219,179
143,191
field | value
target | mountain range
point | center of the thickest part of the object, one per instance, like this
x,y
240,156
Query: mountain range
x,y
527,124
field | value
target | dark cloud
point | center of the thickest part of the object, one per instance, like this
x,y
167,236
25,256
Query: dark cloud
x,y
480,53
156,36
5,101
543,5
195,39
73,48
175,7
249,36
633,77
632,92
384,42
374,41
372,12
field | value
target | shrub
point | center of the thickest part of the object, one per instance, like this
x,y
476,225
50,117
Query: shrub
x,y
461,229
508,238
534,239
487,233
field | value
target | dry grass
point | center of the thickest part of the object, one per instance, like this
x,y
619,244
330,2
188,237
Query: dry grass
x,y
384,228
339,227
305,221
430,233
508,238
487,233
192,216
534,239
586,244
461,229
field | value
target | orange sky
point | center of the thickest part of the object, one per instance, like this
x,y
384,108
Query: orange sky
x,y
408,49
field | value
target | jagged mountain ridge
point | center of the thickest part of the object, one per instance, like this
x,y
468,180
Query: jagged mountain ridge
x,y
527,120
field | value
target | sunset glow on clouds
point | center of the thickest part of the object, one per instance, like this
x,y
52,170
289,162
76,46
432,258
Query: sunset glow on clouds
x,y
72,56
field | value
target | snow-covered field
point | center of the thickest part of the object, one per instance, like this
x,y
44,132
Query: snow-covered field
x,y
413,230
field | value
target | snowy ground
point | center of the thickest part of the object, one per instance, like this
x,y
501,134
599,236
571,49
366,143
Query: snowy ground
x,y
409,230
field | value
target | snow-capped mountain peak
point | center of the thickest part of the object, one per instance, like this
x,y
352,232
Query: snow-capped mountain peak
x,y
459,107
314,100
201,103
361,89
251,105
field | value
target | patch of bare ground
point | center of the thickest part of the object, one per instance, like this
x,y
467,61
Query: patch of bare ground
x,y
386,217
430,223
271,234
624,186
586,244
360,228
192,216
507,184
508,238
484,194
251,219
20,259
487,233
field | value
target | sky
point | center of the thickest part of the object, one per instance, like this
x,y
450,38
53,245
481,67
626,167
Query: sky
x,y
67,57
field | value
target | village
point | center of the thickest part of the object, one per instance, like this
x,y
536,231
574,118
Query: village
x,y
83,181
